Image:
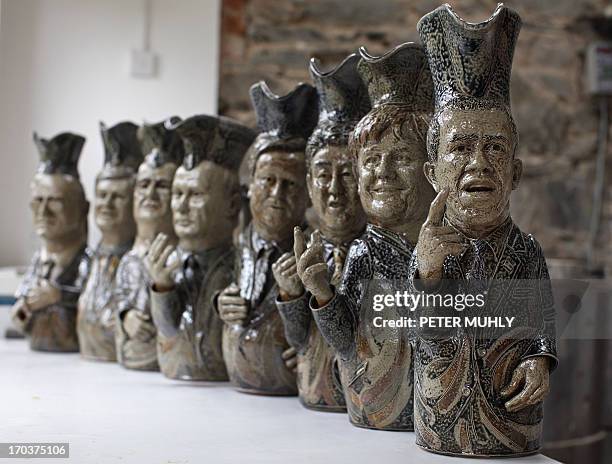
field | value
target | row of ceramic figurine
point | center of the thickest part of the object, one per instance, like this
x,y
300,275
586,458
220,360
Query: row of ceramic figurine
x,y
370,146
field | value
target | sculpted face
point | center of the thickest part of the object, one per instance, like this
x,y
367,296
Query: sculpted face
x,y
476,164
393,189
113,204
333,191
204,203
278,195
59,209
152,193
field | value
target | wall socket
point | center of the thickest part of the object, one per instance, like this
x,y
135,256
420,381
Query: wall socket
x,y
143,64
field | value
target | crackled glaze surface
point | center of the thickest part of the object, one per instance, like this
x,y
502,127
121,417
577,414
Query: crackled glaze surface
x,y
254,344
205,205
135,333
390,148
113,207
46,300
479,391
332,186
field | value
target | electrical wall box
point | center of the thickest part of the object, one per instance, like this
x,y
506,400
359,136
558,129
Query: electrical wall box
x,y
143,63
599,68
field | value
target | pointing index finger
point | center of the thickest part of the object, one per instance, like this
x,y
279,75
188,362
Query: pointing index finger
x,y
299,242
436,210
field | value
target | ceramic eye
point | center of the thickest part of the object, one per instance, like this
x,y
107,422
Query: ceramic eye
x,y
371,160
323,177
497,148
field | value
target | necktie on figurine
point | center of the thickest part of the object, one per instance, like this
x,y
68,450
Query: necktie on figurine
x,y
46,299
343,100
388,147
135,333
478,390
113,213
256,352
186,279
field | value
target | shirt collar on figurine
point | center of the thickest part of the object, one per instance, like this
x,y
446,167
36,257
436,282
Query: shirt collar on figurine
x,y
119,250
202,257
391,237
495,241
259,243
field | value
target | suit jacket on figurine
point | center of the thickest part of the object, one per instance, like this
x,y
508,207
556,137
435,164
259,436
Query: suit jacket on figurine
x,y
132,293
253,352
318,376
459,373
54,328
189,329
96,314
376,363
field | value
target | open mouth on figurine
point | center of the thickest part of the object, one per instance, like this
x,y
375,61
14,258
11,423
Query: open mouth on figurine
x,y
478,186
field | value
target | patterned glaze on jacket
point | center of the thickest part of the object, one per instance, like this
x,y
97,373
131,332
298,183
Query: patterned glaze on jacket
x,y
376,365
96,307
54,328
318,375
132,293
459,375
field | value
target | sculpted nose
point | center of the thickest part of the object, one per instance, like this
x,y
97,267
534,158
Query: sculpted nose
x,y
150,190
335,186
44,206
385,168
183,202
276,190
478,161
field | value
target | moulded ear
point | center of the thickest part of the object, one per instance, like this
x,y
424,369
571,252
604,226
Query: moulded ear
x,y
517,173
429,169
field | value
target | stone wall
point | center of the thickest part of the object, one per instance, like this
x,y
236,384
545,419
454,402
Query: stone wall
x,y
273,40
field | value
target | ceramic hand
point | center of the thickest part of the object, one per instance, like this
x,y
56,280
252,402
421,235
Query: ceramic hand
x,y
137,327
290,358
108,320
233,309
532,374
311,266
43,295
436,242
285,272
161,272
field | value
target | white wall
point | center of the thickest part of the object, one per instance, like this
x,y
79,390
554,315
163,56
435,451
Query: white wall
x,y
64,66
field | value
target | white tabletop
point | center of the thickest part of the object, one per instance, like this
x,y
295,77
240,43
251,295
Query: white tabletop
x,y
112,415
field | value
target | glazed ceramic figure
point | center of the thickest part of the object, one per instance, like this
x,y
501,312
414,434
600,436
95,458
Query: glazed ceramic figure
x,y
114,217
46,307
343,100
257,355
389,144
205,206
135,332
478,392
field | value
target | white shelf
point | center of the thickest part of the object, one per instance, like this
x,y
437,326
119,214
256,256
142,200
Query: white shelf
x,y
110,415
